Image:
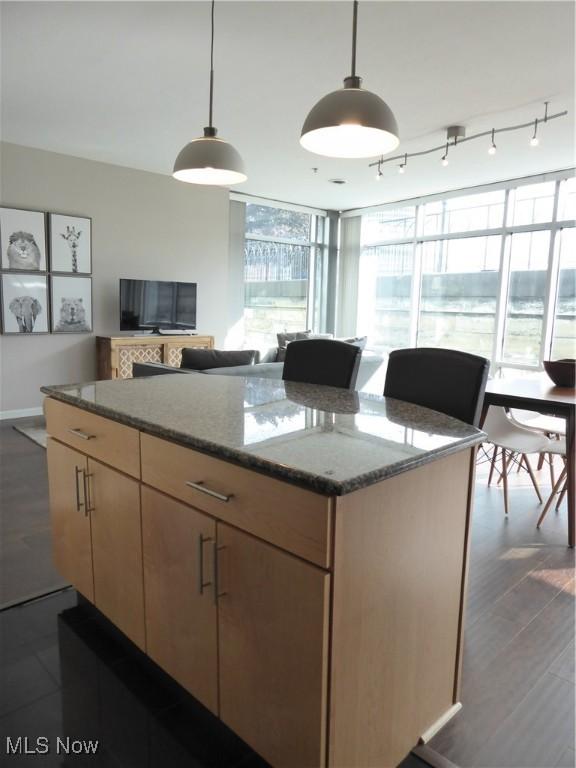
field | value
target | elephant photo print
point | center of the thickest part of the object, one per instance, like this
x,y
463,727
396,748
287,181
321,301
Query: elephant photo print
x,y
24,303
70,244
23,240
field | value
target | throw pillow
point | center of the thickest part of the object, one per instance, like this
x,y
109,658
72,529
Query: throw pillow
x,y
358,341
284,338
200,359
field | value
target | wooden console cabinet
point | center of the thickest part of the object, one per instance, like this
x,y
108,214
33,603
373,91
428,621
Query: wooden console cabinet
x,y
325,631
117,353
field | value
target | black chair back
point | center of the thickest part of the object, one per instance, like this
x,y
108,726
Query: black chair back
x,y
441,379
322,361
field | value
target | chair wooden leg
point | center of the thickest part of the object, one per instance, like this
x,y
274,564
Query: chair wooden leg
x,y
531,473
551,460
561,497
509,462
541,461
555,490
492,463
505,480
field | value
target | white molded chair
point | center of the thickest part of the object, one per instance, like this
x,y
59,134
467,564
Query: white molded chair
x,y
515,440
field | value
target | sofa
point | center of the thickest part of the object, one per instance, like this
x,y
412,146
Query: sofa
x,y
265,367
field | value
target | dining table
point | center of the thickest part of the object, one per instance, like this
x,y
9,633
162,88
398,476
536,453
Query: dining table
x,y
540,394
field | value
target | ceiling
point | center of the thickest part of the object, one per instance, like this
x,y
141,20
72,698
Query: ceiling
x,y
127,83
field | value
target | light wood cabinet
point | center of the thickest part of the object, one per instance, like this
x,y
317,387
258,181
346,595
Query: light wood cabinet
x,y
114,504
96,535
327,632
181,615
273,640
115,354
71,539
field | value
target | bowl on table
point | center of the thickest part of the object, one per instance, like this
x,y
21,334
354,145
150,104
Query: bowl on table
x,y
562,372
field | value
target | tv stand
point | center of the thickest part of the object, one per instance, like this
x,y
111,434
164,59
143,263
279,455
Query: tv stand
x,y
116,354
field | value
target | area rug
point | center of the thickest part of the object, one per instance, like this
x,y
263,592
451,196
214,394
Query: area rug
x,y
38,435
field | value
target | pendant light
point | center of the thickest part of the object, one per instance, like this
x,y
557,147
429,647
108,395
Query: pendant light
x,y
208,159
350,122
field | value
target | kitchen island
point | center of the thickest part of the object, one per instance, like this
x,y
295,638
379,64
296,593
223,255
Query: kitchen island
x,y
294,556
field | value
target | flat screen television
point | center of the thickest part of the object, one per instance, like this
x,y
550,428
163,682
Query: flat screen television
x,y
148,305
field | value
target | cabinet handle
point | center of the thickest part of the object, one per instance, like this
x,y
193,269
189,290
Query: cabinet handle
x,y
201,583
87,503
78,502
79,433
208,491
217,593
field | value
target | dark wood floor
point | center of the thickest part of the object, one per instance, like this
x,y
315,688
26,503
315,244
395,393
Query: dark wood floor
x,y
26,567
518,678
518,682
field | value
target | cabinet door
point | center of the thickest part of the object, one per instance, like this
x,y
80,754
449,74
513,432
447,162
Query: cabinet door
x,y
273,634
71,544
178,547
114,501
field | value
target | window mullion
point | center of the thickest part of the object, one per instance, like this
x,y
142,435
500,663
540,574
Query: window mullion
x,y
502,294
551,284
415,286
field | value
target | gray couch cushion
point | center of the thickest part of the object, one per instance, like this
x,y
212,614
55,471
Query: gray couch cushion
x,y
201,359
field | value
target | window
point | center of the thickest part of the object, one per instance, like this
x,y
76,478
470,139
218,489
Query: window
x,y
564,336
464,214
385,287
531,204
423,281
526,296
278,255
458,294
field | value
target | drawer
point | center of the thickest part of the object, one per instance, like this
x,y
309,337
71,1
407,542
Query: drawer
x,y
103,439
293,518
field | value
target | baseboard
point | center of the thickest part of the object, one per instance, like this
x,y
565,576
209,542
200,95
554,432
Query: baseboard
x,y
440,723
21,413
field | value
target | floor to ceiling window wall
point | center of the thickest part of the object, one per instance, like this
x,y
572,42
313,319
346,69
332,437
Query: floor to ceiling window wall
x,y
283,252
491,272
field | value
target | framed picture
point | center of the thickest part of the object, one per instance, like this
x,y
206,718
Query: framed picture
x,y
70,244
24,303
71,304
22,240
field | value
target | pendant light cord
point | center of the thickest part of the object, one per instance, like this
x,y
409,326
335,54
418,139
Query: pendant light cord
x,y
354,27
211,68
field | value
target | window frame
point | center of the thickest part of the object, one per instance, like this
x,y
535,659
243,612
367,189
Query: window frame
x,y
317,245
505,231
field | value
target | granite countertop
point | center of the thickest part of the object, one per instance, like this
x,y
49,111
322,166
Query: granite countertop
x,y
328,440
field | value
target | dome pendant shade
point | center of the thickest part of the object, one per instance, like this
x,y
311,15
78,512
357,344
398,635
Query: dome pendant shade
x,y
209,160
350,122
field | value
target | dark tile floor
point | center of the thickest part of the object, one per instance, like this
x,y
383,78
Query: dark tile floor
x,y
26,567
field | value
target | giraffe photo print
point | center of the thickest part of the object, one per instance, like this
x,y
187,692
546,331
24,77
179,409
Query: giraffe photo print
x,y
70,244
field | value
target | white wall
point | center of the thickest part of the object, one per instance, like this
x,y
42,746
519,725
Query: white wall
x,y
144,225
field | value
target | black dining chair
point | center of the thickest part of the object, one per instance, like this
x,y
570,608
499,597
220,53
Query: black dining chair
x,y
441,379
322,361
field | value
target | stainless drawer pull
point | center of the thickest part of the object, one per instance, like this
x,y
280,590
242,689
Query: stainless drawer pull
x,y
208,491
78,502
79,433
201,583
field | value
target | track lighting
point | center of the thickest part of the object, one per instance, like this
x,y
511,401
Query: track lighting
x,y
456,135
492,148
